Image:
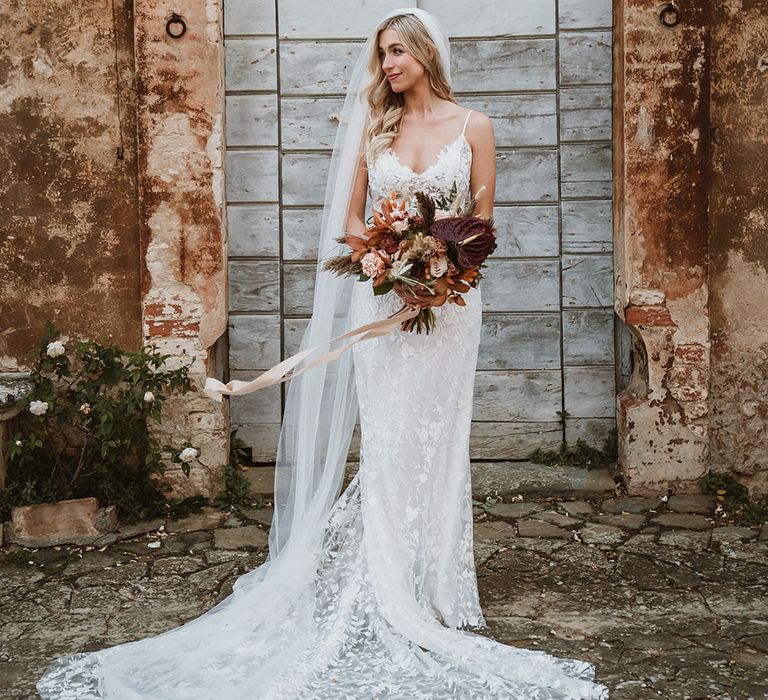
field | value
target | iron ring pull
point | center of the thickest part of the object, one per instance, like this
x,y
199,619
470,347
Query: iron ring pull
x,y
175,21
669,16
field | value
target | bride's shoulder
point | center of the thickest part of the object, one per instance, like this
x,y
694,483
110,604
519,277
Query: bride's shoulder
x,y
479,127
477,121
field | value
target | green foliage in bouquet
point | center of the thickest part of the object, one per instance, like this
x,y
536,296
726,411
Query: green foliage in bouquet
x,y
84,431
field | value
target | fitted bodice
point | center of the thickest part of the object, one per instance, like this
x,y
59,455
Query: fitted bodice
x,y
386,174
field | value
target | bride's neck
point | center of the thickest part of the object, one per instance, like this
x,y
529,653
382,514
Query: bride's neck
x,y
421,102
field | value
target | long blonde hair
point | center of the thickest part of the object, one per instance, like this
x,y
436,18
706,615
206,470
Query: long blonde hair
x,y
386,107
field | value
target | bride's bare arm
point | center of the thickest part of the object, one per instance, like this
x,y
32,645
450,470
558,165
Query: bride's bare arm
x,y
356,212
481,139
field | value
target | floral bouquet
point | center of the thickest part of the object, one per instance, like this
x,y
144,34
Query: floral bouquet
x,y
428,255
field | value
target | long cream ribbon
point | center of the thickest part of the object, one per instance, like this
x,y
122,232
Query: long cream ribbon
x,y
279,373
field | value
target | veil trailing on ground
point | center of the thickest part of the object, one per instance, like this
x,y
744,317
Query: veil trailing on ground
x,y
318,422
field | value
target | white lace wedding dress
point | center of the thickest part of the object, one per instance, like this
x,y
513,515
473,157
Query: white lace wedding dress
x,y
396,579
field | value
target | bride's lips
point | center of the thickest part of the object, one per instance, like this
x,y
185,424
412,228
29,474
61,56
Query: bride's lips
x,y
393,76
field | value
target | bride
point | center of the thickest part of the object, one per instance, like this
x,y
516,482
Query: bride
x,y
367,594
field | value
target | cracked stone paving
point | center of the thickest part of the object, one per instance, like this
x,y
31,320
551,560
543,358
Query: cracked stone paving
x,y
665,598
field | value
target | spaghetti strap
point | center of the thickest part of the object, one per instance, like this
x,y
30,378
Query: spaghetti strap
x,y
466,121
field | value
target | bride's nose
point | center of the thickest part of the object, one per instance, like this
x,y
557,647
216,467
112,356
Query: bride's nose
x,y
386,63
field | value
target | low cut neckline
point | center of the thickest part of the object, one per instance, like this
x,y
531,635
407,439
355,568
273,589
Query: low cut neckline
x,y
435,161
440,153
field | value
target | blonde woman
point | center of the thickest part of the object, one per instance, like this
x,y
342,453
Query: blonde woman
x,y
367,594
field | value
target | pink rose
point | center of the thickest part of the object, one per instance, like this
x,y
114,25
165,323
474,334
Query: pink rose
x,y
372,264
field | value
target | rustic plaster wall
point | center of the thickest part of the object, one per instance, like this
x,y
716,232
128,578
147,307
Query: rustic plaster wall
x,y
130,243
661,241
181,182
69,239
738,243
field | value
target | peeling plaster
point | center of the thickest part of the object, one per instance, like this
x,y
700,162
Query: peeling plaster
x,y
661,232
739,245
182,194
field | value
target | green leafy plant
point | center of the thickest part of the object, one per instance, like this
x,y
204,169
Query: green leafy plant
x,y
85,427
734,498
236,486
581,454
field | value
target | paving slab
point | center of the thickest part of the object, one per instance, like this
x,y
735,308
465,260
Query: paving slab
x,y
208,519
597,533
528,527
513,510
682,520
641,504
625,521
248,537
577,508
703,505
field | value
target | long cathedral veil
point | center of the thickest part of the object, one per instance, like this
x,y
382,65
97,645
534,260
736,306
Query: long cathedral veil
x,y
318,421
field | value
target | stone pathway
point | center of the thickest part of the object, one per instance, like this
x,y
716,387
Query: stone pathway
x,y
667,601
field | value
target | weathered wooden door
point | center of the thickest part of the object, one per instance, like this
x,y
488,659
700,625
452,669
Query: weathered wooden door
x,y
542,70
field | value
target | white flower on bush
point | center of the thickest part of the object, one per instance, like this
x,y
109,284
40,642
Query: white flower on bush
x,y
149,396
38,408
18,443
188,454
85,408
55,348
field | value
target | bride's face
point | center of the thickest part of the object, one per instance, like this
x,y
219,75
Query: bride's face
x,y
402,70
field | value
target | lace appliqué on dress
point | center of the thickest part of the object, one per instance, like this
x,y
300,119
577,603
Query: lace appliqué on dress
x,y
451,167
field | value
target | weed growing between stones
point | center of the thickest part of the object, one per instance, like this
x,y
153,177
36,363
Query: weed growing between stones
x,y
236,486
581,454
734,500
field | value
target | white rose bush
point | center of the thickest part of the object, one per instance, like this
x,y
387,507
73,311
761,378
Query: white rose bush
x,y
85,430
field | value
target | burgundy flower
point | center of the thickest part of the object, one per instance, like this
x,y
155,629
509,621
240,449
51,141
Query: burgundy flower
x,y
389,244
478,233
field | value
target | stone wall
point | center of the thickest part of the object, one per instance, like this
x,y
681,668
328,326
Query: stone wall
x,y
181,189
69,234
111,203
738,231
660,239
690,219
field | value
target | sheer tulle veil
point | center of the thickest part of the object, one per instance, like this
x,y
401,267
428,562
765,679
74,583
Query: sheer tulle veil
x,y
317,426
321,405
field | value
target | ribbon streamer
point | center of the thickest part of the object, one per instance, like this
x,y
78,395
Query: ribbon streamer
x,y
279,373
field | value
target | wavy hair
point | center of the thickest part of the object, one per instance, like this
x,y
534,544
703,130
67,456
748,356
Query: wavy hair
x,y
386,107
